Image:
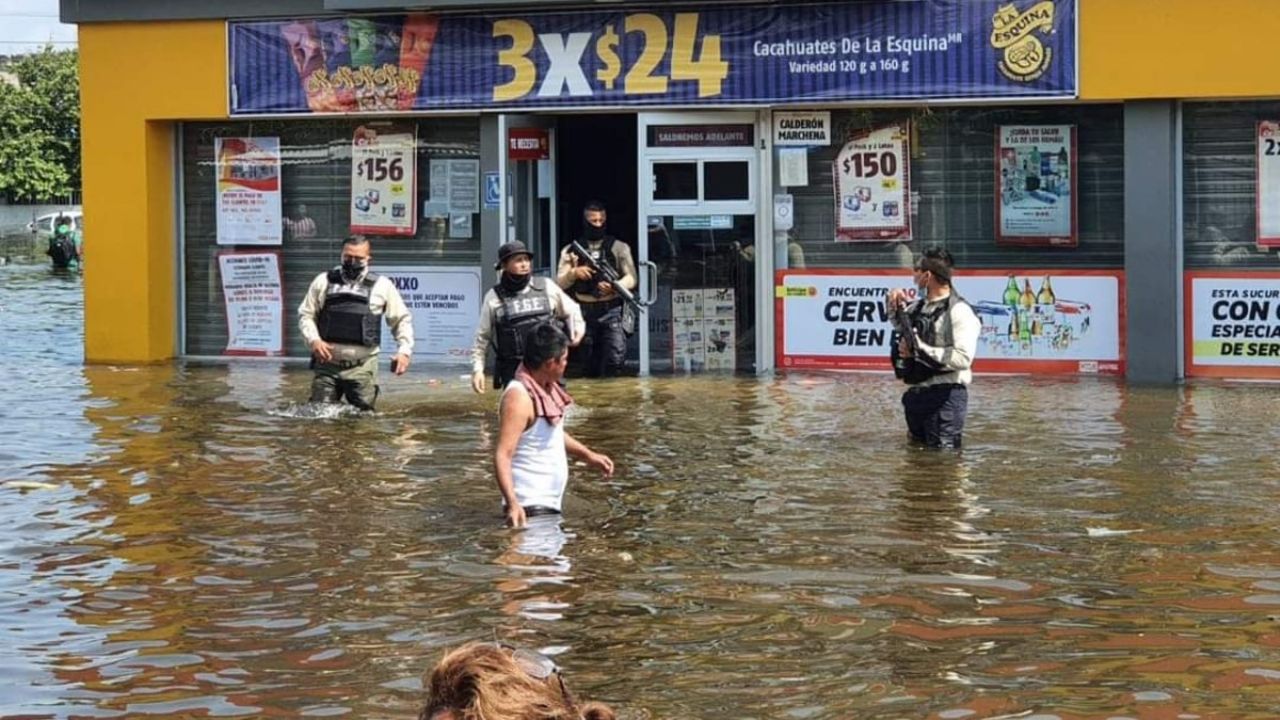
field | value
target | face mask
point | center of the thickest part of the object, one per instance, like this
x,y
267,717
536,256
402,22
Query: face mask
x,y
594,233
353,269
514,283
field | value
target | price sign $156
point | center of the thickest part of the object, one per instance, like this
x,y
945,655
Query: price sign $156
x,y
565,52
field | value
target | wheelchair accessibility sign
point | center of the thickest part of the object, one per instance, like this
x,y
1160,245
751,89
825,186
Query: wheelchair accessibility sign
x,y
492,192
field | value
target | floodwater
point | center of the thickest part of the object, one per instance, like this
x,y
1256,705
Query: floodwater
x,y
175,541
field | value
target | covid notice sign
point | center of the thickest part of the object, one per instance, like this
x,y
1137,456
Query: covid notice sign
x,y
1233,324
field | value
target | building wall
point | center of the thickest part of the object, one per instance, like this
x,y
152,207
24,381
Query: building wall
x,y
137,79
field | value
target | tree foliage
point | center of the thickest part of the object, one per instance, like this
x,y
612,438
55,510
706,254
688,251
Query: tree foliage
x,y
40,126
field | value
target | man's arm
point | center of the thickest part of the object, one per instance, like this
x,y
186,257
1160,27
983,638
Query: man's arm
x,y
398,318
597,460
965,329
567,308
484,334
515,412
565,271
626,265
310,308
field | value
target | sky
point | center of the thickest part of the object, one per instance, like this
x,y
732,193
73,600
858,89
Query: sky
x,y
26,25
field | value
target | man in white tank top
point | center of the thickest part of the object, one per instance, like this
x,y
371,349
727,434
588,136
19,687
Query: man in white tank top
x,y
531,457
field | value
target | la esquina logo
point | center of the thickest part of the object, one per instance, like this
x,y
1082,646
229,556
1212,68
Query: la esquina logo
x,y
1025,56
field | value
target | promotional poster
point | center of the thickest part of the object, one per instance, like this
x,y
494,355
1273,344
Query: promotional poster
x,y
872,184
443,302
703,329
1233,324
1035,181
248,177
1062,322
1268,197
253,296
384,181
713,55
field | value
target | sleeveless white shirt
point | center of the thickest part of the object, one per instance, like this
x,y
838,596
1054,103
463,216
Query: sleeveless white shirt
x,y
540,467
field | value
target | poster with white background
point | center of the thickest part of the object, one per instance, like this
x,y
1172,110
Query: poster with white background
x,y
873,193
445,305
248,190
1234,325
1059,322
1268,193
253,296
384,186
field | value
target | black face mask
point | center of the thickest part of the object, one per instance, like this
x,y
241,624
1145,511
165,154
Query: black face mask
x,y
593,233
352,270
514,283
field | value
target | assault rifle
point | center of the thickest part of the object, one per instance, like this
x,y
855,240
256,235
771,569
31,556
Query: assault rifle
x,y
905,331
607,273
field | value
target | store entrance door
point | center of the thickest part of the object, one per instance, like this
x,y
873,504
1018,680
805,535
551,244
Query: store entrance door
x,y
699,196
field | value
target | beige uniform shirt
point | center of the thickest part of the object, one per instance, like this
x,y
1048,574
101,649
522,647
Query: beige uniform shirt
x,y
384,300
562,306
622,261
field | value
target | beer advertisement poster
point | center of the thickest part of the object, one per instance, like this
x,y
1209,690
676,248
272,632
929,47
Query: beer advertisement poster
x,y
384,184
1033,321
872,184
253,297
248,191
1036,185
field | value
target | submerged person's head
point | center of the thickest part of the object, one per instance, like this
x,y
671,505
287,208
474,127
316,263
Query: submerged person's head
x,y
546,347
492,681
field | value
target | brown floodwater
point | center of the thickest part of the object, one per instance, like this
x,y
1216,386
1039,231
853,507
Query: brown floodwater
x,y
184,540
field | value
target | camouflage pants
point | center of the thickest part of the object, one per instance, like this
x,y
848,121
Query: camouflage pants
x,y
356,381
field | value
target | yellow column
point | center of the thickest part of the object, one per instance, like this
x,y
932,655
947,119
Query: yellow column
x,y
136,79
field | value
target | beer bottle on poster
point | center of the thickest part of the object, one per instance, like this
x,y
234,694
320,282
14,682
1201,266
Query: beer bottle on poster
x,y
1028,298
1011,293
1046,296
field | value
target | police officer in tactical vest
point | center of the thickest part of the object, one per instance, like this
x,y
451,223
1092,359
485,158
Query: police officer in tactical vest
x,y
933,344
341,320
606,338
517,303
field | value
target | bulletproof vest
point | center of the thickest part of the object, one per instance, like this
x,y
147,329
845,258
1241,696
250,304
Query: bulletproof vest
x,y
62,250
345,317
604,257
933,328
515,316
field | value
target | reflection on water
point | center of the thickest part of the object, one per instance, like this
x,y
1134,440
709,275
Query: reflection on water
x,y
768,548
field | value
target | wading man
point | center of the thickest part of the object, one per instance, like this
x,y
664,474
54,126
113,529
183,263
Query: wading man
x,y
935,338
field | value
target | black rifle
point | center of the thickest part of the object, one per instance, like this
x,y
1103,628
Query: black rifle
x,y
906,330
606,271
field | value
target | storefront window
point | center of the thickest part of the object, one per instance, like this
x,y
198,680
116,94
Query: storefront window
x,y
953,179
675,181
727,181
316,173
1221,147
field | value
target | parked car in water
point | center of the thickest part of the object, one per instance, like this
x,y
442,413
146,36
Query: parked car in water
x,y
43,225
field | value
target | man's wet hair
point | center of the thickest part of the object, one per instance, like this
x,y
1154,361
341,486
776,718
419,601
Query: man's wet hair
x,y
355,240
938,261
543,342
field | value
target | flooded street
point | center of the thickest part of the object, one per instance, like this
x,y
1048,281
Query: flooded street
x,y
176,541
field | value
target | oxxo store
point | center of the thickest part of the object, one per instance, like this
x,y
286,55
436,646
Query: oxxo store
x,y
773,166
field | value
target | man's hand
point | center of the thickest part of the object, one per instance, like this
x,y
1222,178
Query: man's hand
x,y
897,298
582,272
904,348
477,382
515,516
399,363
322,350
606,289
601,461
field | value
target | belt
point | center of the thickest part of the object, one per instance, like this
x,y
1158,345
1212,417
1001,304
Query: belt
x,y
539,510
599,304
937,386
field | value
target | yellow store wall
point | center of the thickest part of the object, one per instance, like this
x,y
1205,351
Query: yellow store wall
x,y
135,80
138,78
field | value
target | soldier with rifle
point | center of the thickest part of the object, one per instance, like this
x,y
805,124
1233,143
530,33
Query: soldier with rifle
x,y
600,274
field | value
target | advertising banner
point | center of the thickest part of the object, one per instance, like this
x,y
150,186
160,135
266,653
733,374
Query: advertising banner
x,y
445,304
1035,185
1233,324
248,177
1268,193
873,189
384,184
1033,321
253,294
703,332
734,54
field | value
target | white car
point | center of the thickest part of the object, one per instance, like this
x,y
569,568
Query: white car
x,y
43,225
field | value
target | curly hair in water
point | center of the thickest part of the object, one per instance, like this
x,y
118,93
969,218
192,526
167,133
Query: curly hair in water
x,y
482,681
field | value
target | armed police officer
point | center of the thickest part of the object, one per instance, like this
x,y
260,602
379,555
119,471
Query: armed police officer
x,y
517,303
341,319
605,344
935,338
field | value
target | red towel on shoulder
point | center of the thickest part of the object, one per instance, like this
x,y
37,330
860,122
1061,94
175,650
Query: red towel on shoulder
x,y
549,404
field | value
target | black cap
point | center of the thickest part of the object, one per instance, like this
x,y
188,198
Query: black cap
x,y
510,250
